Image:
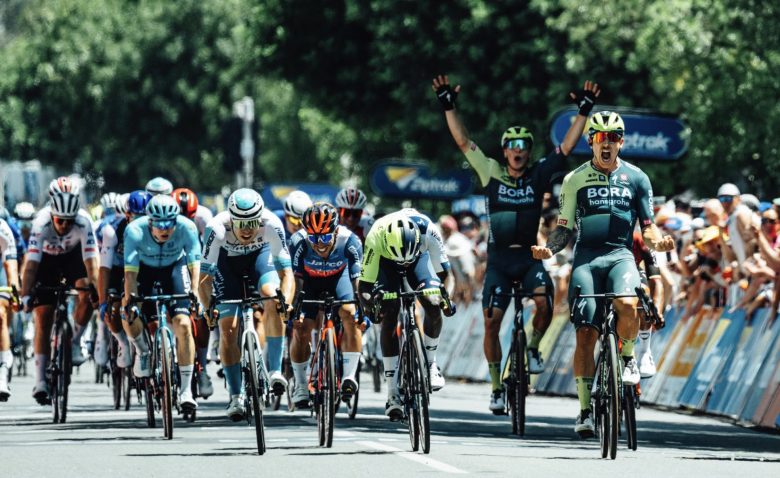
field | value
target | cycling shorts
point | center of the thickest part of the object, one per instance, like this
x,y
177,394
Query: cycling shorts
x,y
508,265
339,287
70,265
229,276
599,271
420,275
173,279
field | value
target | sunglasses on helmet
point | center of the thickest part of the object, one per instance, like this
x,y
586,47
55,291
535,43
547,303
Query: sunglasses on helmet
x,y
522,144
321,238
611,136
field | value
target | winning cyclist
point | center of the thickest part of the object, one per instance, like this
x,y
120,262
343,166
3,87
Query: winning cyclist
x,y
62,242
161,247
326,259
393,245
352,203
9,277
247,239
514,191
604,198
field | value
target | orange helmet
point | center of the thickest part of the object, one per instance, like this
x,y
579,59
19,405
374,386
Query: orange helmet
x,y
187,201
321,218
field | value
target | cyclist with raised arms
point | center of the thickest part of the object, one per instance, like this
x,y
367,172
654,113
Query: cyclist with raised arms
x,y
393,245
604,198
514,191
326,259
62,242
162,247
247,239
352,215
9,277
112,275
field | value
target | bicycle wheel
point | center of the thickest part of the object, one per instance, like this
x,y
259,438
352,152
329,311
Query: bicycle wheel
x,y
254,393
376,375
353,402
629,414
406,387
329,402
148,385
127,386
117,383
167,384
519,385
63,373
600,400
421,391
613,395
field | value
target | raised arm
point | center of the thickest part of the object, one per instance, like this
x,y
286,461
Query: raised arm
x,y
584,99
447,95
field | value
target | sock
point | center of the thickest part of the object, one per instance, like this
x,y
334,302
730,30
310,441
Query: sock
x,y
627,349
202,353
185,372
273,347
430,345
583,391
494,368
643,346
299,371
78,331
121,339
41,362
350,361
141,346
391,363
536,337
7,357
233,378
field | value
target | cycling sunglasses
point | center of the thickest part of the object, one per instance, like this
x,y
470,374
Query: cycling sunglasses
x,y
295,221
351,212
725,198
517,144
62,221
250,224
611,136
163,225
321,238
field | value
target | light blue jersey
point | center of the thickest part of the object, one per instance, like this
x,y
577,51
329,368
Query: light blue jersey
x,y
140,246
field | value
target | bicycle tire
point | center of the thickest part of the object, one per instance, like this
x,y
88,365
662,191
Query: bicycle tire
x,y
254,393
329,406
319,393
376,376
127,386
167,385
421,390
600,408
117,386
629,413
64,373
149,398
613,395
519,384
352,405
405,384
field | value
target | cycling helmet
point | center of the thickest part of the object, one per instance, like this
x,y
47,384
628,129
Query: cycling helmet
x,y
63,184
187,201
4,214
24,210
108,201
162,208
159,185
351,198
402,240
137,202
296,203
65,205
245,205
516,132
121,203
606,121
320,218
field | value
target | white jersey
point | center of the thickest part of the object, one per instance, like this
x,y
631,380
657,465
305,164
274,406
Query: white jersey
x,y
7,242
202,217
430,239
219,235
45,240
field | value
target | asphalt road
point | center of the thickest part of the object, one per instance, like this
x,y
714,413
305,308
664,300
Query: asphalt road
x,y
98,441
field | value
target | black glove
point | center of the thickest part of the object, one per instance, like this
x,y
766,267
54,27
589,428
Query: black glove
x,y
447,97
584,100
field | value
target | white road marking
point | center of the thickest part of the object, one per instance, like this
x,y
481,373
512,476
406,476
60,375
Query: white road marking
x,y
416,457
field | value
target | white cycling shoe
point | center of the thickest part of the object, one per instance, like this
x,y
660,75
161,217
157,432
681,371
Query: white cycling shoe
x,y
437,379
498,401
630,372
5,392
394,408
300,396
41,393
186,400
235,409
535,362
647,365
583,426
101,352
142,367
77,355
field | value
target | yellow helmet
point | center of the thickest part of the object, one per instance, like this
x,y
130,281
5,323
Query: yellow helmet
x,y
516,132
606,121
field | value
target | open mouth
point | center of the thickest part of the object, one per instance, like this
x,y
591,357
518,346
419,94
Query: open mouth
x,y
606,156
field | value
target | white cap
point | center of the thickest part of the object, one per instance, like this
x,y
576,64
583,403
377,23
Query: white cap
x,y
728,189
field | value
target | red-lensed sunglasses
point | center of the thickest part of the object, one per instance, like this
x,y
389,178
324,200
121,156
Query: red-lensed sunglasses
x,y
350,212
611,136
61,221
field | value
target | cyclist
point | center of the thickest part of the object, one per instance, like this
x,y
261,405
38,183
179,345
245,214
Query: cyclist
x,y
21,242
62,242
514,192
393,245
604,198
247,239
326,259
161,247
295,204
112,273
192,209
108,204
650,276
159,185
351,203
24,212
9,277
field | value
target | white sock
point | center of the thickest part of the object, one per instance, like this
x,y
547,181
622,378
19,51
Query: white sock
x,y
41,362
140,344
299,371
643,344
430,345
185,372
350,361
121,339
7,357
391,364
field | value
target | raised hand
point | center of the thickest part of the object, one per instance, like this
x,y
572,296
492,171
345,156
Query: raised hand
x,y
585,98
445,92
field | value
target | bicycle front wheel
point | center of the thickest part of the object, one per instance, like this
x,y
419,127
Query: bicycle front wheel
x,y
519,383
166,370
62,374
329,398
421,391
629,415
254,394
613,394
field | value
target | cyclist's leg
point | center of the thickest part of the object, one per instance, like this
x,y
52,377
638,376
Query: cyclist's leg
x,y
424,276
495,279
134,326
352,339
6,356
267,275
300,347
43,316
389,279
623,278
76,275
228,286
536,279
179,282
114,318
646,363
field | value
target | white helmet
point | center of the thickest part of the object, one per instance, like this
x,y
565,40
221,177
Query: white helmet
x,y
296,203
24,210
63,184
121,203
108,201
351,198
159,185
245,205
65,205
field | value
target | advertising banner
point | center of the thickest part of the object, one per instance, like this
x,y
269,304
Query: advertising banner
x,y
414,181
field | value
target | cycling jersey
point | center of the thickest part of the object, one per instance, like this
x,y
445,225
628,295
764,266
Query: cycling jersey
x,y
219,235
21,244
202,217
112,249
142,248
107,219
45,240
432,241
514,205
605,207
346,256
7,243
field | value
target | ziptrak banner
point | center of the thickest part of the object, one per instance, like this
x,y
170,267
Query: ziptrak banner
x,y
648,135
275,194
414,181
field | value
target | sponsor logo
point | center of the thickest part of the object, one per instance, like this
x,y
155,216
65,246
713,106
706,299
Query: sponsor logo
x,y
473,146
563,222
604,192
659,143
647,222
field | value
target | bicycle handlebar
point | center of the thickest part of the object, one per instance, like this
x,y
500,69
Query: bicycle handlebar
x,y
518,294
